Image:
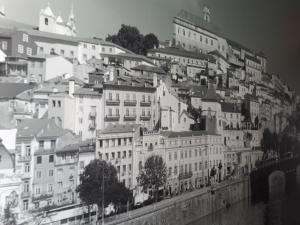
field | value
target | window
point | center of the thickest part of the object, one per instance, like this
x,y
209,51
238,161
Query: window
x,y
4,45
28,150
25,37
39,160
51,158
53,103
50,188
170,171
50,173
72,54
175,155
38,174
84,45
46,21
20,49
211,42
62,52
41,144
59,103
27,168
175,170
170,156
93,47
25,204
53,142
110,50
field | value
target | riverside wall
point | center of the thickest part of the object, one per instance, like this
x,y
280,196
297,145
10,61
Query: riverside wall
x,y
187,207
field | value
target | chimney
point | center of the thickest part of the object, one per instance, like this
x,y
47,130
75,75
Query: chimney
x,y
71,87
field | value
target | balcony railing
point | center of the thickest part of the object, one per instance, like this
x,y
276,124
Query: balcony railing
x,y
93,115
25,194
129,117
145,103
25,159
112,118
187,175
130,102
42,197
145,117
92,126
113,102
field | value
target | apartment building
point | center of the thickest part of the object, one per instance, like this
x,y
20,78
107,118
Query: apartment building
x,y
130,101
115,145
88,107
189,156
36,142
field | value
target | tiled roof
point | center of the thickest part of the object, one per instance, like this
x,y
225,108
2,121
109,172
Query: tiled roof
x,y
11,90
229,107
128,56
198,22
152,69
87,91
11,24
51,36
183,53
40,128
48,88
125,128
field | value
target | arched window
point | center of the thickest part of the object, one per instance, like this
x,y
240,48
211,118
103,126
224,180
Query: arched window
x,y
46,21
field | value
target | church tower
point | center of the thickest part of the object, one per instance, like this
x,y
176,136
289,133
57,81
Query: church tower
x,y
47,20
206,14
71,22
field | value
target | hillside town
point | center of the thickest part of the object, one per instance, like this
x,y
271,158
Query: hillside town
x,y
199,101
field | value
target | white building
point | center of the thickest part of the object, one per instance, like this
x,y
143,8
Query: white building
x,y
198,34
45,67
48,22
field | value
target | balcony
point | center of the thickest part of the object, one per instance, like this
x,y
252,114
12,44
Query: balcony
x,y
130,118
42,197
24,159
145,104
92,115
113,102
25,194
112,118
145,117
130,103
183,176
92,126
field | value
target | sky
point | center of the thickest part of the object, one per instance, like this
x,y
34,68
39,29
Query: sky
x,y
271,26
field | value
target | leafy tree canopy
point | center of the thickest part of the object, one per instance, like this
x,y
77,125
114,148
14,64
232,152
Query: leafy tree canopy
x,y
154,173
130,38
91,185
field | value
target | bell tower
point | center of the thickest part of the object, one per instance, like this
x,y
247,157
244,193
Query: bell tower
x,y
71,21
206,14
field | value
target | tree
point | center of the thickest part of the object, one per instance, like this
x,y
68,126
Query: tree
x,y
150,42
99,180
9,217
130,38
154,174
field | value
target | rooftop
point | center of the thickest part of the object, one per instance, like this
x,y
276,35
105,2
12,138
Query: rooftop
x,y
11,90
176,51
152,69
125,128
41,128
198,22
171,134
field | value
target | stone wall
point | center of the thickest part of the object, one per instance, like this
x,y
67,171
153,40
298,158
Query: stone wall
x,y
188,207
